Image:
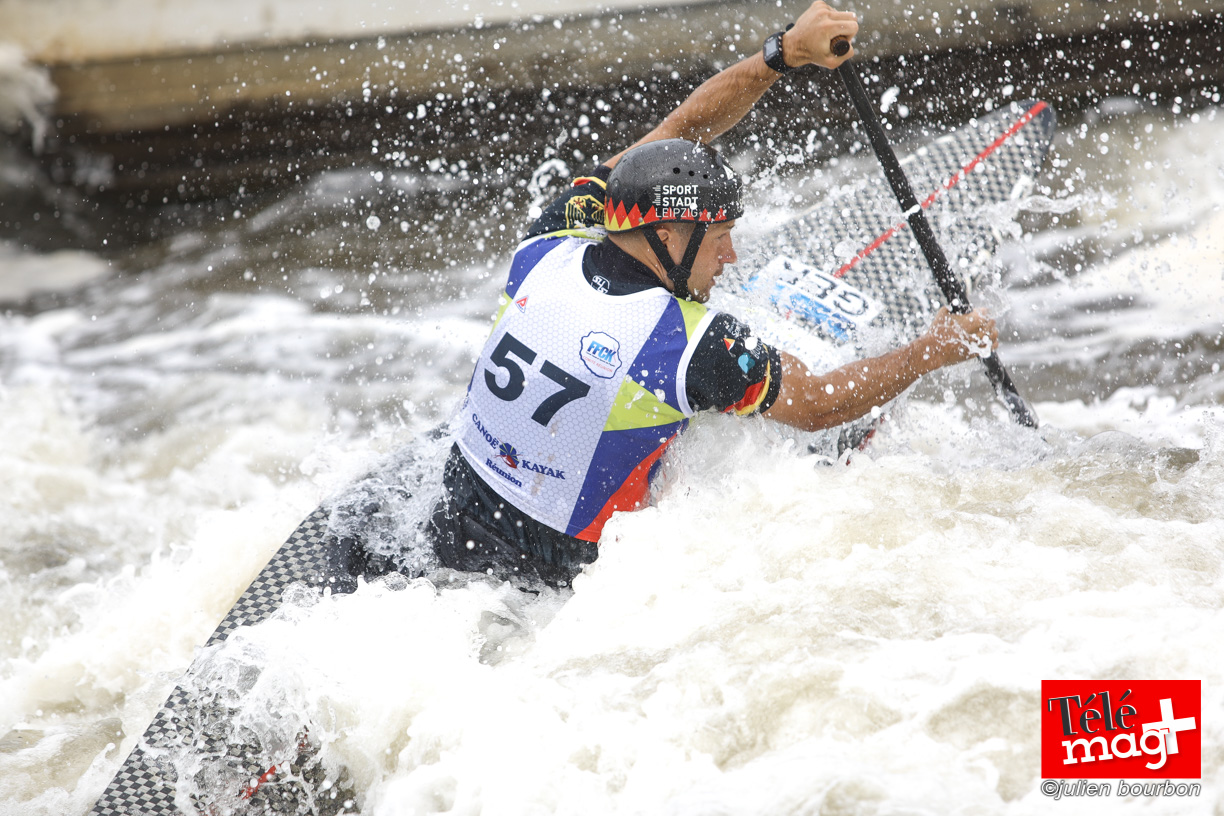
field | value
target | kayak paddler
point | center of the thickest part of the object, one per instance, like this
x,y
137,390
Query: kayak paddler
x,y
603,347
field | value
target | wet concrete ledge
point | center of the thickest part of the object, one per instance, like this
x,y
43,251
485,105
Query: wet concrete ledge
x,y
200,124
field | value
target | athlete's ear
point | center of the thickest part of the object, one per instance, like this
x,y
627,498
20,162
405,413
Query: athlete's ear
x,y
673,237
667,235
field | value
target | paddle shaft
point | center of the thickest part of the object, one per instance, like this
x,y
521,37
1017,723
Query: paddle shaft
x,y
950,284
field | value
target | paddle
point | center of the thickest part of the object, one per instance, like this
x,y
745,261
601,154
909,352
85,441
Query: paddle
x,y
950,285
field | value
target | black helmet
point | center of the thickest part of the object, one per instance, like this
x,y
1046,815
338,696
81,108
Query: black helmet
x,y
669,181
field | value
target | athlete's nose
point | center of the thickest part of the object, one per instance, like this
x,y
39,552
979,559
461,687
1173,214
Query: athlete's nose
x,y
729,256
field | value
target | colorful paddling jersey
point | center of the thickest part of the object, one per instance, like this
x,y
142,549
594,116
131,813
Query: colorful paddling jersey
x,y
578,392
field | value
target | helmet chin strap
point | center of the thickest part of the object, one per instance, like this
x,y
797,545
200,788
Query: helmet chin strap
x,y
678,273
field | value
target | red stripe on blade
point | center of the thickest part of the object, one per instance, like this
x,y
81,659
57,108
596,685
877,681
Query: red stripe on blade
x,y
948,185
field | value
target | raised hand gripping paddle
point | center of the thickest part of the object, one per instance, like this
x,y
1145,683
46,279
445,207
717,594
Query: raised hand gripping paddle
x,y
950,285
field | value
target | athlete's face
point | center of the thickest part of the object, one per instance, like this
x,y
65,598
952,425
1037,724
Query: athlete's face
x,y
717,250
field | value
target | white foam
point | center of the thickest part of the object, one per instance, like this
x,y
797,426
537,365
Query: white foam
x,y
1166,291
23,273
782,635
778,633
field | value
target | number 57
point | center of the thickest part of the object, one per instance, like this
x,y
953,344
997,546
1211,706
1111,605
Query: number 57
x,y
572,388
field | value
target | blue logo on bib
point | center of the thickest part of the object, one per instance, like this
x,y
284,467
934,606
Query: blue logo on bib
x,y
600,353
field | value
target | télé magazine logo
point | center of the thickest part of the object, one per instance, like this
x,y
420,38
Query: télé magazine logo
x,y
1121,729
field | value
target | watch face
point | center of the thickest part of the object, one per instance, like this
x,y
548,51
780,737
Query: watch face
x,y
773,53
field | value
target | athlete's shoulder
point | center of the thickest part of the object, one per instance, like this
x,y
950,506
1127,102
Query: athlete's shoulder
x,y
731,369
577,212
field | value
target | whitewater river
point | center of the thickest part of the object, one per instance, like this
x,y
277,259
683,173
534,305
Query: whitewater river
x,y
778,634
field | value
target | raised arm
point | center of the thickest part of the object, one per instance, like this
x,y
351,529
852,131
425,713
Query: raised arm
x,y
814,401
725,98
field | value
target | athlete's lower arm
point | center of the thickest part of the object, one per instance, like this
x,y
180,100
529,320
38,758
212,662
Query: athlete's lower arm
x,y
812,402
720,102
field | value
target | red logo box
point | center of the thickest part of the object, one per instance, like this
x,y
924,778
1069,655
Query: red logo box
x,y
1121,729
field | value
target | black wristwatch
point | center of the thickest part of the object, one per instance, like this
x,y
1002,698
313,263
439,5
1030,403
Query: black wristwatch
x,y
773,52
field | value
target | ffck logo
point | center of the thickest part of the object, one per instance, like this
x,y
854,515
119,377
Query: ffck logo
x,y
1121,729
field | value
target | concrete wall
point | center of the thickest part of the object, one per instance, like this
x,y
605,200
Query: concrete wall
x,y
198,118
54,31
174,88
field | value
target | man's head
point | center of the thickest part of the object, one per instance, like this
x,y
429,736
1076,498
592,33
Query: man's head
x,y
665,196
715,251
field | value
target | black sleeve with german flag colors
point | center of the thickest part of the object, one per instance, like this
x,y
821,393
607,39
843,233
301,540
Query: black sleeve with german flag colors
x,y
576,210
731,370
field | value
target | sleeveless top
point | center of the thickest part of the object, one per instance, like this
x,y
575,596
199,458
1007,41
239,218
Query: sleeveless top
x,y
577,393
